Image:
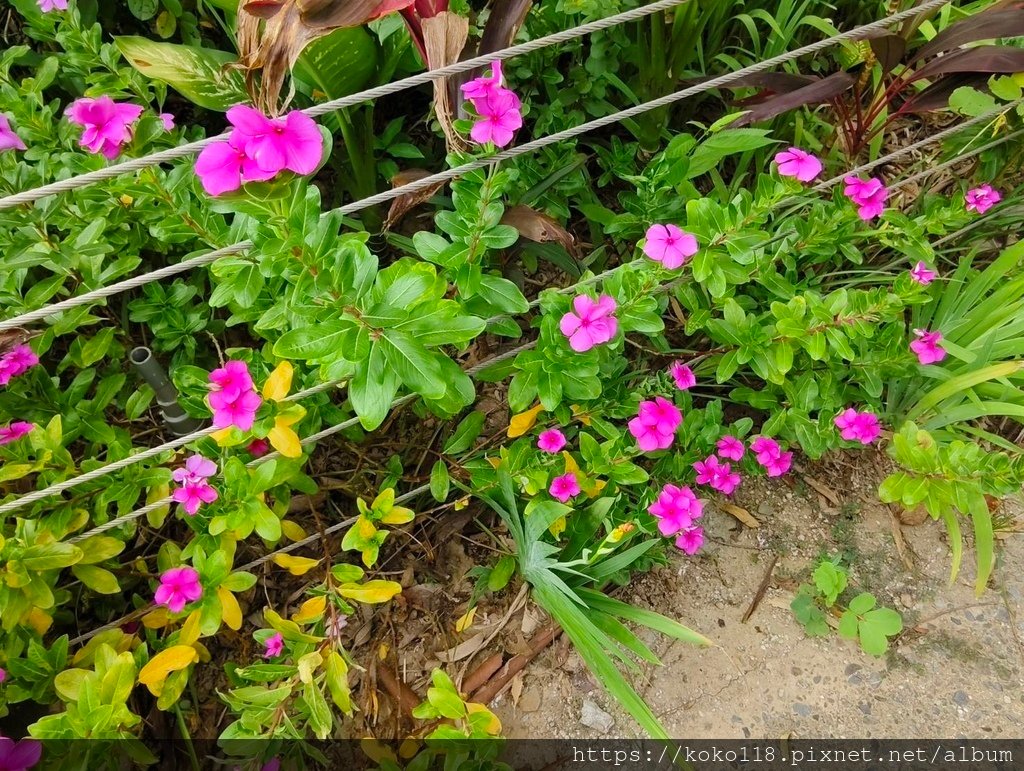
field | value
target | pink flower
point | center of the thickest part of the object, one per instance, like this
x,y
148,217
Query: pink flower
x,y
500,118
107,124
798,163
258,447
8,139
564,487
655,425
927,347
16,362
274,645
854,426
178,587
683,376
770,455
232,379
482,87
52,5
675,509
168,120
981,199
730,447
196,468
690,540
3,674
669,245
551,440
224,166
19,756
776,467
591,324
291,142
717,475
15,431
921,274
233,400
193,494
868,194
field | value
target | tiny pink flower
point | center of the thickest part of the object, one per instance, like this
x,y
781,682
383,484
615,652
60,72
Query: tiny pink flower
x,y
927,346
480,88
500,118
232,379
258,447
240,413
15,431
52,5
107,125
982,198
863,427
661,414
730,447
8,139
869,195
921,274
669,245
551,440
798,163
168,120
193,494
690,540
564,487
683,376
19,756
3,674
717,475
590,322
675,509
178,587
274,645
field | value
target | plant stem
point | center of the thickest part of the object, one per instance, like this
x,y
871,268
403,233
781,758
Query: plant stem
x,y
186,736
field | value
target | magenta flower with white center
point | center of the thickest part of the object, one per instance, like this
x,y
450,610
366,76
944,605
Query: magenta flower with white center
x,y
590,322
178,587
869,195
683,376
798,163
224,167
8,139
981,199
730,447
480,88
232,398
564,487
669,245
863,427
928,346
921,275
15,431
551,440
196,468
107,125
193,494
292,142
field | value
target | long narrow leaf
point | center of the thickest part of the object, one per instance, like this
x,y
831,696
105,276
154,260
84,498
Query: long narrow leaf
x,y
659,623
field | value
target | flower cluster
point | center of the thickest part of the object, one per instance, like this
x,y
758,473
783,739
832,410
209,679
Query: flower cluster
x,y
232,397
498,107
590,322
717,475
798,164
869,195
178,587
770,456
654,427
195,490
927,346
106,124
8,139
669,245
258,148
676,510
16,362
981,199
15,431
854,426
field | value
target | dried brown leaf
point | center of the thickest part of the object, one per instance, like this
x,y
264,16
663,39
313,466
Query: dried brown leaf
x,y
464,649
405,203
741,514
444,37
537,226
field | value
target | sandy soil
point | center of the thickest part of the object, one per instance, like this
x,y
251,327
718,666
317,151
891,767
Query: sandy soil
x,y
955,672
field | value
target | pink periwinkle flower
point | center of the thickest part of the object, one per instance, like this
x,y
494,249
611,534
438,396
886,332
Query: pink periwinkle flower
x,y
196,468
717,475
15,431
669,245
3,674
480,88
683,376
233,399
863,427
981,199
500,118
769,454
921,274
168,120
258,447
193,494
590,322
178,587
107,125
690,540
676,509
19,756
869,195
730,447
798,163
655,425
8,139
564,487
776,467
274,645
224,166
232,379
16,362
551,440
52,5
927,346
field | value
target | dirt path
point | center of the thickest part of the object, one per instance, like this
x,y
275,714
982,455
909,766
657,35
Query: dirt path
x,y
957,672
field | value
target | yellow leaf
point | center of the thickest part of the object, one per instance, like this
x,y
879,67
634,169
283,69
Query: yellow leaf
x,y
377,751
230,612
285,440
297,566
495,462
593,490
292,530
398,515
463,623
524,421
162,664
557,527
310,610
39,620
156,619
571,467
224,437
365,528
382,651
279,383
189,633
494,727
408,748
372,592
461,503
580,414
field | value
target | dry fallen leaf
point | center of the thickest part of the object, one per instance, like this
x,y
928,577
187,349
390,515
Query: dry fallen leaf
x,y
405,203
537,226
516,690
464,649
741,514
444,37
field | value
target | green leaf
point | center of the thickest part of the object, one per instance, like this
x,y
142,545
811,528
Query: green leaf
x,y
440,481
373,389
99,580
465,433
315,342
339,63
502,294
415,365
501,573
971,102
862,603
